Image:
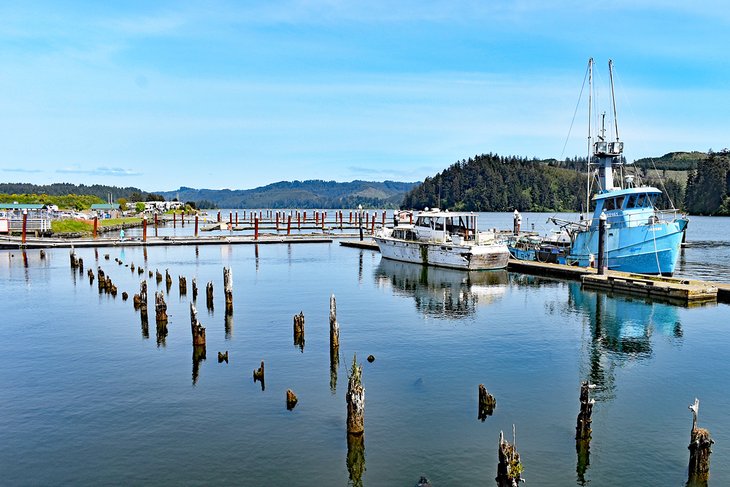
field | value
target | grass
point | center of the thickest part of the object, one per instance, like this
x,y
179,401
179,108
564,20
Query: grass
x,y
87,226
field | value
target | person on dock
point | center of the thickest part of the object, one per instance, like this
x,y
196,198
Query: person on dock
x,y
121,235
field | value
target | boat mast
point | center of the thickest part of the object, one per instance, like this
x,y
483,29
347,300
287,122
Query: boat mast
x,y
590,102
607,152
613,97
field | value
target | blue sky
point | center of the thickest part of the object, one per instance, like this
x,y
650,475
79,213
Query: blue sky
x,y
240,94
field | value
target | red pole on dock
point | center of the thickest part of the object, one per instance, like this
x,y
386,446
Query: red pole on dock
x,y
316,218
411,217
230,218
155,221
182,218
383,217
372,227
236,218
219,216
174,219
96,224
305,217
196,225
25,225
288,225
299,221
256,229
350,220
144,229
277,221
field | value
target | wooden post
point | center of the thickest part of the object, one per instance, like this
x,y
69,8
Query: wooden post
x,y
158,277
182,218
160,308
209,294
101,283
291,399
602,264
236,218
509,469
228,288
96,225
223,357
155,221
299,331
299,221
355,400
196,328
699,450
256,228
25,226
288,225
183,285
72,258
196,225
383,222
219,216
372,224
277,221
487,403
144,229
349,220
168,280
230,218
195,289
174,219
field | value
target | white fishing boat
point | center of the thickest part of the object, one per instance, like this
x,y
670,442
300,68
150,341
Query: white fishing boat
x,y
443,239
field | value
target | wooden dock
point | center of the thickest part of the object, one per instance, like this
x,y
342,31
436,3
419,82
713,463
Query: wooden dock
x,y
367,244
681,291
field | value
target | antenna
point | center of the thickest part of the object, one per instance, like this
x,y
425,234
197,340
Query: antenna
x,y
613,97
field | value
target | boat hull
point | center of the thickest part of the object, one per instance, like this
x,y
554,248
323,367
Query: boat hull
x,y
469,257
646,249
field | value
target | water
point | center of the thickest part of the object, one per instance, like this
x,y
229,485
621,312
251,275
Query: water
x,y
90,397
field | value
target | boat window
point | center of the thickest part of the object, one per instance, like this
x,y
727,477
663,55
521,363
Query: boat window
x,y
632,201
424,221
610,204
439,224
620,202
651,200
640,201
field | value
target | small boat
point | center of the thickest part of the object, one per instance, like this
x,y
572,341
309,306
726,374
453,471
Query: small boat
x,y
442,239
639,237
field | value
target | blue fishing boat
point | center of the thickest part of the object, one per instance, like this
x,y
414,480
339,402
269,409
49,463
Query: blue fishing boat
x,y
640,237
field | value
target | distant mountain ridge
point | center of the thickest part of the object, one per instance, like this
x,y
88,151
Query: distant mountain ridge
x,y
314,193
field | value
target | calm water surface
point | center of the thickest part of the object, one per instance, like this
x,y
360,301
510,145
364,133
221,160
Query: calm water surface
x,y
90,396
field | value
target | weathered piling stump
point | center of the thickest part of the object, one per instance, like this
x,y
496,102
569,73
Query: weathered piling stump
x,y
182,285
487,403
125,296
140,300
299,330
43,254
160,308
111,287
158,276
140,270
195,289
291,399
168,280
223,357
583,429
106,256
102,280
197,329
132,267
355,400
228,288
209,294
258,375
90,273
699,450
72,258
371,358
150,274
423,482
583,424
80,263
334,326
509,469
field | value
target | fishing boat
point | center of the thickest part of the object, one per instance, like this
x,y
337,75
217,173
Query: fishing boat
x,y
640,238
442,239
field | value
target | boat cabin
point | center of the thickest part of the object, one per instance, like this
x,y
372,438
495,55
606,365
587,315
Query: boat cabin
x,y
445,226
627,207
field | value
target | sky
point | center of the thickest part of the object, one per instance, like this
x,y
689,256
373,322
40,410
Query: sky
x,y
240,94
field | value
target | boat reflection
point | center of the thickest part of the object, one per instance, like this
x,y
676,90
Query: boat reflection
x,y
440,292
621,330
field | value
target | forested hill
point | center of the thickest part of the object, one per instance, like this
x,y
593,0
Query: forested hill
x,y
696,182
489,182
300,194
63,189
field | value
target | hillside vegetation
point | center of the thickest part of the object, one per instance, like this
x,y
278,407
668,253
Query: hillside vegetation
x,y
300,194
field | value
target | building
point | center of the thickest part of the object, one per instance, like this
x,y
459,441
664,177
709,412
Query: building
x,y
106,210
38,219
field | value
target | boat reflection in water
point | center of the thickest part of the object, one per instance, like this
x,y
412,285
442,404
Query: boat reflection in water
x,y
621,332
441,292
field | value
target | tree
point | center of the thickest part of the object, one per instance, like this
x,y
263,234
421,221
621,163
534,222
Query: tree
x,y
122,203
139,207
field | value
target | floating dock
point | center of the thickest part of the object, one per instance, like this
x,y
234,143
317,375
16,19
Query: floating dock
x,y
682,291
